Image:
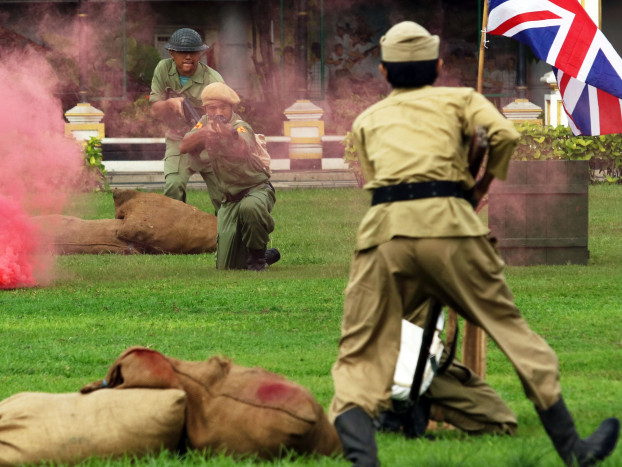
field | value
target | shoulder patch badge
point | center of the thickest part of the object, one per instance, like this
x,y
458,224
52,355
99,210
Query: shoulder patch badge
x,y
199,125
241,129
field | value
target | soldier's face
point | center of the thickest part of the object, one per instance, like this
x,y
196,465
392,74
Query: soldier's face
x,y
219,109
186,62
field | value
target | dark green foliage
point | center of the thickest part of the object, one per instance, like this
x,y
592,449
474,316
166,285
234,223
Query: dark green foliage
x,y
546,142
93,160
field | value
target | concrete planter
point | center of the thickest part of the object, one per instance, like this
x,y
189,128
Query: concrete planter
x,y
540,213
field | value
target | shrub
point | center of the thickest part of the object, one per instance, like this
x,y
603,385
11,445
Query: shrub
x,y
351,157
537,142
93,161
546,142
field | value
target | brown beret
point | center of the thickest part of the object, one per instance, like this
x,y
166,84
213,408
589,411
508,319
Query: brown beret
x,y
219,92
408,42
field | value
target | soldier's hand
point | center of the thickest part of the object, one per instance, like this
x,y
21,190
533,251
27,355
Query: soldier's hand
x,y
212,135
176,105
224,128
226,131
481,189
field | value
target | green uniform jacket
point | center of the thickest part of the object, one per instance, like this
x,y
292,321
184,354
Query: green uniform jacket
x,y
423,134
236,172
166,77
244,220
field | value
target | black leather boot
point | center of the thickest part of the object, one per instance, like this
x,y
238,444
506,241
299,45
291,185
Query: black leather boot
x,y
256,260
573,450
272,256
404,417
390,421
417,418
356,432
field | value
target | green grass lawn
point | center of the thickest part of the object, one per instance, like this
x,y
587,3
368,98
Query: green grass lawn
x,y
59,337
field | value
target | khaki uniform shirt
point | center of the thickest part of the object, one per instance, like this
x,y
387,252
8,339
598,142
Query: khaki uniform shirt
x,y
423,134
236,172
166,77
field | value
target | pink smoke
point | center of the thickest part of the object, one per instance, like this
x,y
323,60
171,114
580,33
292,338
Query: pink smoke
x,y
40,168
20,247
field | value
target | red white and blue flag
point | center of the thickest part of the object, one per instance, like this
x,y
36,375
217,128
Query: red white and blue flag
x,y
587,67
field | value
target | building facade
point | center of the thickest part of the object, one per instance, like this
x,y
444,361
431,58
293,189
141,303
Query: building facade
x,y
270,51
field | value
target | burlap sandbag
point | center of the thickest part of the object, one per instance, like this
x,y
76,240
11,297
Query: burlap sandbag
x,y
68,428
71,235
162,224
231,408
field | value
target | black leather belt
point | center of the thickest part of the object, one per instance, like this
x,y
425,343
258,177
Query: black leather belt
x,y
237,197
243,193
418,190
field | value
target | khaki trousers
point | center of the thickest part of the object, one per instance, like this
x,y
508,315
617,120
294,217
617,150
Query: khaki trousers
x,y
389,281
463,399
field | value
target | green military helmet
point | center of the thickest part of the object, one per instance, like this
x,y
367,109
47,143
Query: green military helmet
x,y
186,40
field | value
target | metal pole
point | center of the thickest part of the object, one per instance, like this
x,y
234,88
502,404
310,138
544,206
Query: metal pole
x,y
479,21
322,46
482,47
281,39
124,53
474,340
82,75
281,32
301,50
521,72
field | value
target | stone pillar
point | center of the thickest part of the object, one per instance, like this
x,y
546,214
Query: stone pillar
x,y
554,114
521,110
84,122
305,130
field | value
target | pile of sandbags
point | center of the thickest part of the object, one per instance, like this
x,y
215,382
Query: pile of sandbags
x,y
70,235
144,223
149,402
69,428
231,409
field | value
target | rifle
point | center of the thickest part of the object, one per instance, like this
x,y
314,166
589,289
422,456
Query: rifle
x,y
477,152
190,113
220,123
191,116
414,428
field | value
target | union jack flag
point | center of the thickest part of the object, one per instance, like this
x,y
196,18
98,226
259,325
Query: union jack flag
x,y
591,111
587,67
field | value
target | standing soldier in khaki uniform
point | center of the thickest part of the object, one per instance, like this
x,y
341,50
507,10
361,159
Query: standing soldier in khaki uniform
x,y
244,220
177,78
422,239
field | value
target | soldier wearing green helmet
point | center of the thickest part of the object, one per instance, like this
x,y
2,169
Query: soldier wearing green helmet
x,y
175,79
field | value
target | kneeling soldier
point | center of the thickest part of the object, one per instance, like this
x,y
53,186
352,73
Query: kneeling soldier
x,y
244,220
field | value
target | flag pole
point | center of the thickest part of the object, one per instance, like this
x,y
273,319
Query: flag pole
x,y
482,47
474,337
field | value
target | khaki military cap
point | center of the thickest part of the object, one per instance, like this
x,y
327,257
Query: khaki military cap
x,y
219,92
408,42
